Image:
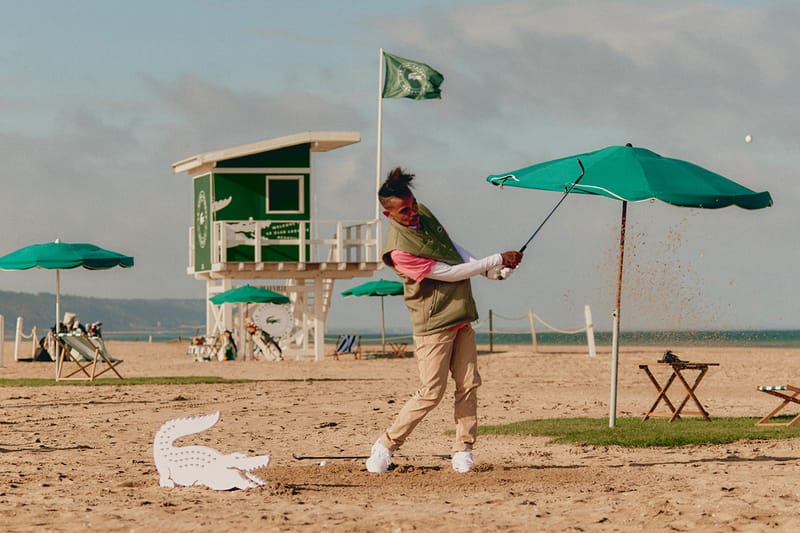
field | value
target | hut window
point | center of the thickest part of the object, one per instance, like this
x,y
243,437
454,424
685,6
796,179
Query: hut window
x,y
285,194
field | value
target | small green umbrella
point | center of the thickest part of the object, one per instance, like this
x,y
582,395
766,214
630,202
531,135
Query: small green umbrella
x,y
633,174
63,255
380,288
245,295
249,294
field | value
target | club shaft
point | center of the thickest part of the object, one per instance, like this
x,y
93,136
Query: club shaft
x,y
563,197
543,222
302,457
299,457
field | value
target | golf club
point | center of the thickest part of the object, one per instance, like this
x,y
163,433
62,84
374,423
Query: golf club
x,y
505,271
300,457
554,209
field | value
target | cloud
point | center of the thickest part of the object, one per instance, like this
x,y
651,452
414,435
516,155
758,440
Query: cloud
x,y
88,157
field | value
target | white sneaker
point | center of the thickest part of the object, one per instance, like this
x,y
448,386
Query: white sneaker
x,y
462,461
378,462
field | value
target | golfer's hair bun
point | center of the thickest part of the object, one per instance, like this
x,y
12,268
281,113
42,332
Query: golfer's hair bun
x,y
398,183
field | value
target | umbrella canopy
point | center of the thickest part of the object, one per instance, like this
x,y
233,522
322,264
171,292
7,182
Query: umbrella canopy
x,y
63,255
249,294
636,174
380,288
633,174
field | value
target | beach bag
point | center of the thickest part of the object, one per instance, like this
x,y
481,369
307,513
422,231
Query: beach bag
x,y
42,355
229,349
670,357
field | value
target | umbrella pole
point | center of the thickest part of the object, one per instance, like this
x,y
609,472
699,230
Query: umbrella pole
x,y
383,327
612,416
58,314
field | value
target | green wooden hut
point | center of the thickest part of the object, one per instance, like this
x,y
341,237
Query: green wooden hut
x,y
251,221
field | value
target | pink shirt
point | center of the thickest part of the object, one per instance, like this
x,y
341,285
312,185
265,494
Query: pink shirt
x,y
411,265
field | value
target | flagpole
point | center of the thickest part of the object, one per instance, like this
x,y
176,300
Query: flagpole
x,y
380,137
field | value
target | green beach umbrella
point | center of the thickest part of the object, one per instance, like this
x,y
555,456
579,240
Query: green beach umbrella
x,y
380,288
636,174
249,294
633,174
58,256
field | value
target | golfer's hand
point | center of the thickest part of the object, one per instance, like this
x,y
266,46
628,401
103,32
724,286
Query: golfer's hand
x,y
511,259
499,272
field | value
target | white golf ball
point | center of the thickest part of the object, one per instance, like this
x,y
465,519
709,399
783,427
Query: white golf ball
x,y
748,139
323,463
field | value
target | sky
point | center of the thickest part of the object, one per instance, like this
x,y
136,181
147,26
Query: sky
x,y
100,97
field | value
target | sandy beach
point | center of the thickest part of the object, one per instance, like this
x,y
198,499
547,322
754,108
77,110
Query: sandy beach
x,y
77,458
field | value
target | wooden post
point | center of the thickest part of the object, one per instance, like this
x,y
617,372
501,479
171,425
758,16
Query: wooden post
x,y
491,332
587,312
17,337
34,341
533,331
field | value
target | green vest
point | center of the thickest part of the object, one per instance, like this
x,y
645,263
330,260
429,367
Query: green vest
x,y
434,305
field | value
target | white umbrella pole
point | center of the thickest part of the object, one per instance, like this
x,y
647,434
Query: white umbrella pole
x,y
383,328
612,416
58,314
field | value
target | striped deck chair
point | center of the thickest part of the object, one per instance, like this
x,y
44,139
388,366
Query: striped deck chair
x,y
90,356
348,344
788,394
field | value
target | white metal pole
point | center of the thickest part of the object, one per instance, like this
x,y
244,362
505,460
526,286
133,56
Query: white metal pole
x,y
612,410
587,312
383,327
612,417
533,331
380,136
2,338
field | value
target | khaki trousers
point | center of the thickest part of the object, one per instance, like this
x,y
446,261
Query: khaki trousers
x,y
454,352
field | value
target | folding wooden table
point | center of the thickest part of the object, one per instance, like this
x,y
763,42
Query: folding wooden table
x,y
676,371
398,349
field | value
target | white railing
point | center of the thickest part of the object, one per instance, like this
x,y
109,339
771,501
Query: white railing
x,y
315,241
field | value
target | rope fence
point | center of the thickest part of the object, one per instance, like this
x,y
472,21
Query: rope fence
x,y
533,318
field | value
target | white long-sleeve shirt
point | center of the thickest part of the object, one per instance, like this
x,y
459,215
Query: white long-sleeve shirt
x,y
442,271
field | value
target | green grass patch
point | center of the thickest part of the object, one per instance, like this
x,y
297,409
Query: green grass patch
x,y
635,433
99,382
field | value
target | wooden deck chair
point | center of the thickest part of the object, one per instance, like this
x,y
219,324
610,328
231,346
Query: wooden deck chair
x,y
348,344
90,356
788,394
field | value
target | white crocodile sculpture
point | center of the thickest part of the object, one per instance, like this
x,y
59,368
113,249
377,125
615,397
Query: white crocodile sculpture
x,y
201,465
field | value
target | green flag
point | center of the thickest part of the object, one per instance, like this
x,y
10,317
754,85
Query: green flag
x,y
410,79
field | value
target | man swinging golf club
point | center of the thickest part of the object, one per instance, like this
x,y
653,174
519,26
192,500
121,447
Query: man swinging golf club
x,y
436,275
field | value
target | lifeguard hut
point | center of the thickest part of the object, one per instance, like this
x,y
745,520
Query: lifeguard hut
x,y
252,222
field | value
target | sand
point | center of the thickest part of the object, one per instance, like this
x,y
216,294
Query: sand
x,y
77,458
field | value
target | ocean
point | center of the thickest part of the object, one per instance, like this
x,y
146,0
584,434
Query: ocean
x,y
789,338
662,339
